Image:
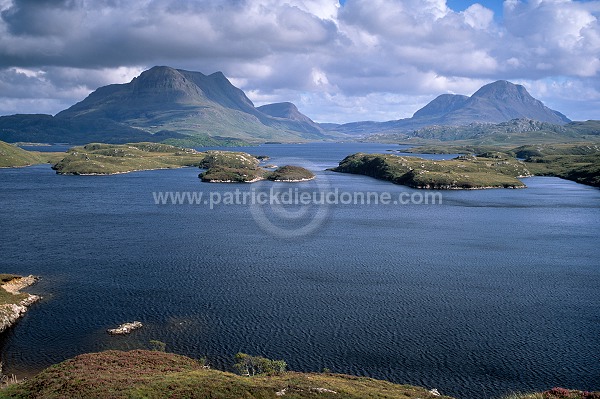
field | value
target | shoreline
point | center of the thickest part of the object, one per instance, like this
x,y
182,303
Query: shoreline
x,y
11,312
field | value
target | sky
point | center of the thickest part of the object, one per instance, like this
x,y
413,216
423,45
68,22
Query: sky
x,y
338,62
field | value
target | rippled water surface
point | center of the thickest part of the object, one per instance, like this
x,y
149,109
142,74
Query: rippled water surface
x,y
491,292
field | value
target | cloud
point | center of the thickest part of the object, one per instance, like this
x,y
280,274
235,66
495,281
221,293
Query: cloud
x,y
386,58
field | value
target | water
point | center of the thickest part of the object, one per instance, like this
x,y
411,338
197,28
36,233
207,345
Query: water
x,y
491,292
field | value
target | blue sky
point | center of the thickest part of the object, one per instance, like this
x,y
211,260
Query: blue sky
x,y
365,60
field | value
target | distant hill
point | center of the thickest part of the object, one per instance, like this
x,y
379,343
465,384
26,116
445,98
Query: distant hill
x,y
496,102
513,132
163,103
287,111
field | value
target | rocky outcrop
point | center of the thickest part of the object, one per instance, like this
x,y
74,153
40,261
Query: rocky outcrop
x,y
13,310
125,328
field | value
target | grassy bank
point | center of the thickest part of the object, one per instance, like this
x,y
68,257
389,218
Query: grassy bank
x,y
13,157
152,374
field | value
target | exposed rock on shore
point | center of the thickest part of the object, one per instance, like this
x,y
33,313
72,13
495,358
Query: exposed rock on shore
x,y
14,302
125,328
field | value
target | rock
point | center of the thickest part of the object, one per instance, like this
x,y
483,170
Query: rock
x,y
11,312
435,392
125,328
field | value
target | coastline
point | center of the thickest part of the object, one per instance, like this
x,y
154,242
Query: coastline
x,y
13,310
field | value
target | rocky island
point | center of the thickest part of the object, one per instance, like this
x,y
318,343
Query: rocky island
x,y
290,173
464,172
240,167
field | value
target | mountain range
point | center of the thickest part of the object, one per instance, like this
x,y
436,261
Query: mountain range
x,y
496,102
174,105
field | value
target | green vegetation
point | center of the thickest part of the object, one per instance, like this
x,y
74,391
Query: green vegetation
x,y
12,156
148,374
576,162
511,133
290,173
204,140
239,167
222,174
579,162
9,298
257,365
229,159
557,393
158,346
230,167
465,172
106,159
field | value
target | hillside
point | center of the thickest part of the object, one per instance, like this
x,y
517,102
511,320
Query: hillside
x,y
162,103
511,133
12,156
496,102
152,374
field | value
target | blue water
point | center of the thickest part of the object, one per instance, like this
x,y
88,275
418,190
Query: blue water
x,y
490,292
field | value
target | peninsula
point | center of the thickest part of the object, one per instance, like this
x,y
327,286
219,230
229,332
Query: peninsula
x,y
12,156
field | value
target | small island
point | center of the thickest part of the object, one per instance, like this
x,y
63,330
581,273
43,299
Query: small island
x,y
290,173
240,167
464,172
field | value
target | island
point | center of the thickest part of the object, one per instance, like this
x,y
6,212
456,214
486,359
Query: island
x,y
240,167
463,172
110,159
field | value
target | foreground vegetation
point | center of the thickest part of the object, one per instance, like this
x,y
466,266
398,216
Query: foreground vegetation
x,y
12,156
466,172
152,374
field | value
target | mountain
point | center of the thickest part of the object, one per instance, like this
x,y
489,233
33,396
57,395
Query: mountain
x,y
441,105
287,111
496,102
163,103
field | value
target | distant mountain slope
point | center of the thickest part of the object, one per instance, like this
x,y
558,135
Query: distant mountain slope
x,y
173,103
287,111
496,102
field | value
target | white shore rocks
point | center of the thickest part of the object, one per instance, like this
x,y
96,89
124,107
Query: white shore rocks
x,y
125,328
11,312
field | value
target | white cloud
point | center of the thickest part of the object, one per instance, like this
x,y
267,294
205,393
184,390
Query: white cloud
x,y
371,59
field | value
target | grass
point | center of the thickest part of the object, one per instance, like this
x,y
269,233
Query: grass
x,y
148,374
466,172
579,162
106,159
12,156
290,173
